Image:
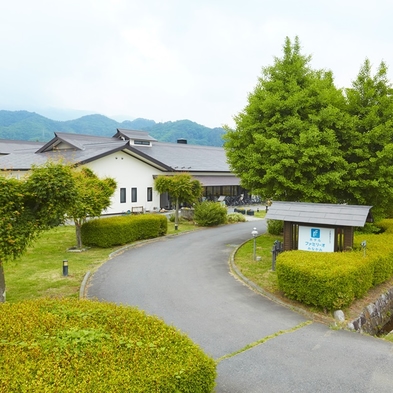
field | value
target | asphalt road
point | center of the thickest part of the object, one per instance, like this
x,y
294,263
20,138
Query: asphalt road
x,y
185,280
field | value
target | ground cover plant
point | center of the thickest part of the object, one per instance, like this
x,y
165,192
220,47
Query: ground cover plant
x,y
68,345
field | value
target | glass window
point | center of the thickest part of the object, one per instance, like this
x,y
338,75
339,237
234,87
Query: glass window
x,y
123,195
149,194
134,195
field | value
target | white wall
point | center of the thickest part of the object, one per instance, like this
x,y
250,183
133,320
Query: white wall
x,y
128,172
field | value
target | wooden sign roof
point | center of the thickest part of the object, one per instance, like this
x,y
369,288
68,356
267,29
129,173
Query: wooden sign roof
x,y
319,213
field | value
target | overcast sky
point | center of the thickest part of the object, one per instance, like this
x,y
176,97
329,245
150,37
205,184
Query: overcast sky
x,y
169,60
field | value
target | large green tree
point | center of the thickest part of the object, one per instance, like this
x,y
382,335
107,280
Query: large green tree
x,y
30,206
181,187
285,143
368,145
93,196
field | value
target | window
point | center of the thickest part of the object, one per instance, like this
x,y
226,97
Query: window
x,y
123,195
145,143
149,194
134,195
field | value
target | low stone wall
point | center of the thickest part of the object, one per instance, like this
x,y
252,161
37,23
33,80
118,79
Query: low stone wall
x,y
375,315
188,214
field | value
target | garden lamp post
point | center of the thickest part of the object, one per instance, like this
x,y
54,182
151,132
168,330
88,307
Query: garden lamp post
x,y
254,234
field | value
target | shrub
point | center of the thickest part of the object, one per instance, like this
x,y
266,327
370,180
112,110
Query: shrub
x,y
235,217
107,232
380,249
369,228
385,225
68,345
275,227
326,280
209,213
334,280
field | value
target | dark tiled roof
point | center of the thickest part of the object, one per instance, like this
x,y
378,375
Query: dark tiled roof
x,y
170,157
187,158
8,146
319,213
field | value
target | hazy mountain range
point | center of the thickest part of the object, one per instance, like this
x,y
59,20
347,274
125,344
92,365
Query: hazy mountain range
x,y
30,126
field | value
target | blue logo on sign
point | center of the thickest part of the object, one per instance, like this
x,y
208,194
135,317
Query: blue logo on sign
x,y
315,233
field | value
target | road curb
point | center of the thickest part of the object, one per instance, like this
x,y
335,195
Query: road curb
x,y
256,288
83,285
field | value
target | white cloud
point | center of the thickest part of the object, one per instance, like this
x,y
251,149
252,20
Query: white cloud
x,y
173,60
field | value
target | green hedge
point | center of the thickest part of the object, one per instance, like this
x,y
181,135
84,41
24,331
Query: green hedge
x,y
113,231
50,345
327,280
380,249
334,280
386,225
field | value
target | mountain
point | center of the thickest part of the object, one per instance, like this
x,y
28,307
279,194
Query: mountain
x,y
30,126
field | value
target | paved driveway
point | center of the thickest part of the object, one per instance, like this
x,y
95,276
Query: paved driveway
x,y
185,280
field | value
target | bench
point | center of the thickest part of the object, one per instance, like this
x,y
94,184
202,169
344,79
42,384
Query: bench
x,y
137,210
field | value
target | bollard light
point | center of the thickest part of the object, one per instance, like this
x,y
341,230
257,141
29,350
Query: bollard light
x,y
65,267
364,245
254,234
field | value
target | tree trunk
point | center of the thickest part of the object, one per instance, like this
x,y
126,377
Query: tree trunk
x,y
177,215
78,233
2,283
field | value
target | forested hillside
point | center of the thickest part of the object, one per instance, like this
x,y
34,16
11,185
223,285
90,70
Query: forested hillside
x,y
24,125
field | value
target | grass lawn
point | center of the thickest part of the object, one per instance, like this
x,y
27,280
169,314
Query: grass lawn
x,y
39,272
259,272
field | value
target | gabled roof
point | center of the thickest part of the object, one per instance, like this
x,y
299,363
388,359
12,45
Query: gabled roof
x,y
133,135
80,149
22,160
75,141
319,213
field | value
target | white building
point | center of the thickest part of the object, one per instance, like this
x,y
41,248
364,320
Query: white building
x,y
133,159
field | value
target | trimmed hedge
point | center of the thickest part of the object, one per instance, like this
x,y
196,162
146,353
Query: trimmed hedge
x,y
327,280
386,225
66,345
334,280
380,249
114,231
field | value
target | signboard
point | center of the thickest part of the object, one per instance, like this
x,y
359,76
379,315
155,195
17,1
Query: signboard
x,y
316,239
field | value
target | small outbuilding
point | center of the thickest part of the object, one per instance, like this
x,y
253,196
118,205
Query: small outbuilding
x,y
319,227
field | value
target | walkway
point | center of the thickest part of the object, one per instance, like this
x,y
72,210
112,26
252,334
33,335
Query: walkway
x,y
261,346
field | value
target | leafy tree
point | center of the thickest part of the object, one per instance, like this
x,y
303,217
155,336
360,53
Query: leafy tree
x,y
30,206
180,187
93,195
285,143
368,146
